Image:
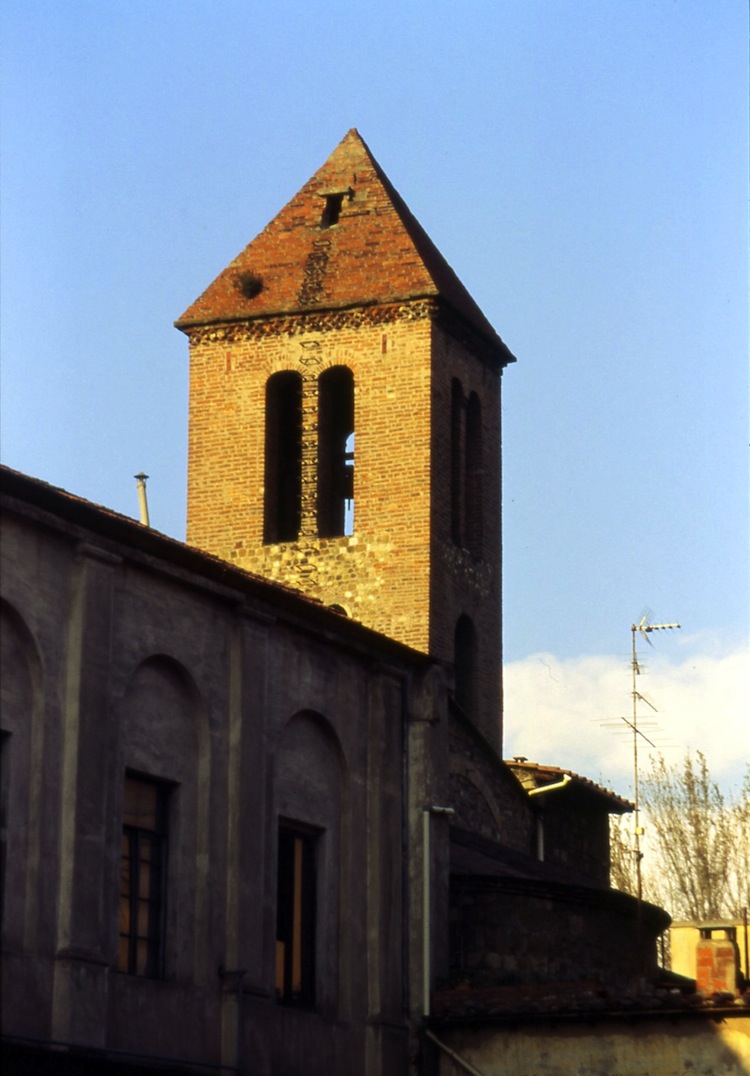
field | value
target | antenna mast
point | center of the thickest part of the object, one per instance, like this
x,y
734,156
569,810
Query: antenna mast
x,y
642,628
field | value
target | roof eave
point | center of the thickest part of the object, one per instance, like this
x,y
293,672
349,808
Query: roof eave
x,y
494,342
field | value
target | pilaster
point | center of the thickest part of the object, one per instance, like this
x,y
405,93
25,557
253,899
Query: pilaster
x,y
84,944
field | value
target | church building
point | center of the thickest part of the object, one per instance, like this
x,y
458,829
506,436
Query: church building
x,y
255,819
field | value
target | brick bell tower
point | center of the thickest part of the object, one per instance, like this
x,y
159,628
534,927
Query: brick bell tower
x,y
345,423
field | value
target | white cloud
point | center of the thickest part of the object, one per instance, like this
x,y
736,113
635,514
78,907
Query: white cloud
x,y
555,710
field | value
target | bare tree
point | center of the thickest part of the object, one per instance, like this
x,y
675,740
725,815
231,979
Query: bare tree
x,y
738,896
622,873
698,843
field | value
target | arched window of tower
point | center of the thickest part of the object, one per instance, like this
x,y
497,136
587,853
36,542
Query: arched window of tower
x,y
349,501
467,473
335,452
473,476
283,457
457,463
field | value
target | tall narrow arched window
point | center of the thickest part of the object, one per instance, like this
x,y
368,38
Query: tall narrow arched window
x,y
457,466
283,464
465,661
335,452
474,475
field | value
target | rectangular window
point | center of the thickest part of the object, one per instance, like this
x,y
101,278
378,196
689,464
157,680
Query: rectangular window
x,y
143,866
295,917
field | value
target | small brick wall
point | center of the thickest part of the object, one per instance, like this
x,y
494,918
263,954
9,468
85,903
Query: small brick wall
x,y
505,932
485,795
576,833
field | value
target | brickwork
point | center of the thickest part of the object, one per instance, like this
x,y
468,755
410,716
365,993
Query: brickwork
x,y
554,934
368,292
484,793
576,833
462,581
380,573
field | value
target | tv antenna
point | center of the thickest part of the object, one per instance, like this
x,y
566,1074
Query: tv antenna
x,y
644,629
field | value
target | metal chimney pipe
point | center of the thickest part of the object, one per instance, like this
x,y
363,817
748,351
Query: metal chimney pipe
x,y
142,499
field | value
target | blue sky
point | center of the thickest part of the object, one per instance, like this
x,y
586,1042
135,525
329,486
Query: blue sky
x,y
582,165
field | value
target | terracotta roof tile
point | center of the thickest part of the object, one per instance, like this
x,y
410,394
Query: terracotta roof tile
x,y
585,999
535,775
370,249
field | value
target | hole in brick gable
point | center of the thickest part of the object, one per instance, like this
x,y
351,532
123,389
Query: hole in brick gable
x,y
248,284
333,206
331,210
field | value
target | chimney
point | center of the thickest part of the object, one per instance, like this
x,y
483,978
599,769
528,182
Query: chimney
x,y
142,500
717,960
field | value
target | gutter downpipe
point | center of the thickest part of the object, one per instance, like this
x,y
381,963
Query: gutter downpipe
x,y
551,788
465,1065
539,820
426,901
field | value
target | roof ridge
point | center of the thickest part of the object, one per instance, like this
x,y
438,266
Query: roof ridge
x,y
440,270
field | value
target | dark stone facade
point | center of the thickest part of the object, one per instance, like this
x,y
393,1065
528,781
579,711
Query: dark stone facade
x,y
127,652
533,930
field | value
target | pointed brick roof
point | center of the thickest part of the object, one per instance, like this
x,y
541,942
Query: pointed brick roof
x,y
374,251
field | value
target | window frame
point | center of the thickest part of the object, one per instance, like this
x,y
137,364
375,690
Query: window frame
x,y
137,868
297,877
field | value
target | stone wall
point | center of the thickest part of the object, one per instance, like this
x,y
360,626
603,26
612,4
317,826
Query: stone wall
x,y
632,1046
485,795
506,931
124,652
575,827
